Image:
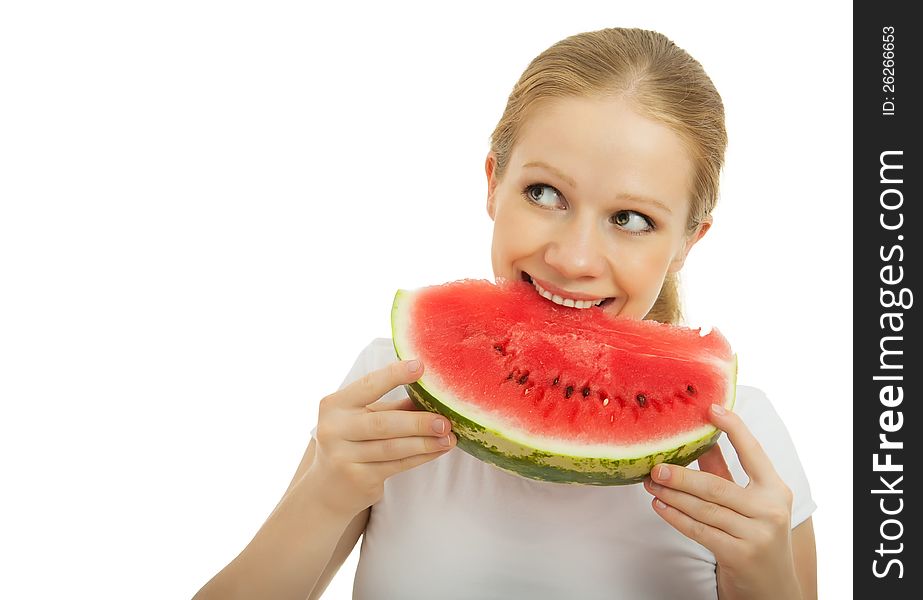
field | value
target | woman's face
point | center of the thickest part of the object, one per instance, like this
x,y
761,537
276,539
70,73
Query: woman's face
x,y
593,205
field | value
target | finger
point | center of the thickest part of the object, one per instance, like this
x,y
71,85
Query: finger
x,y
709,513
381,404
399,448
393,467
720,543
375,384
708,487
713,462
751,454
383,425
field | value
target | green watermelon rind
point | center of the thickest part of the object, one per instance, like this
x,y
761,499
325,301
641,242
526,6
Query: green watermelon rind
x,y
493,447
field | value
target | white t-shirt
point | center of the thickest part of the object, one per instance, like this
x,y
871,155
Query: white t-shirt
x,y
458,528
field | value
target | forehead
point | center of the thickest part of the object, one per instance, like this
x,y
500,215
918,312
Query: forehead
x,y
607,148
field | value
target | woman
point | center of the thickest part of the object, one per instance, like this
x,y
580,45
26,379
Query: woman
x,y
601,177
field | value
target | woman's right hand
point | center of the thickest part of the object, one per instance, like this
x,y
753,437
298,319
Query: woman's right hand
x,y
362,440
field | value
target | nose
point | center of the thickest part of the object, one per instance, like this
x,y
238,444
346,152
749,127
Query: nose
x,y
577,250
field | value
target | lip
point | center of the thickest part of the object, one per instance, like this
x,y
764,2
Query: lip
x,y
563,293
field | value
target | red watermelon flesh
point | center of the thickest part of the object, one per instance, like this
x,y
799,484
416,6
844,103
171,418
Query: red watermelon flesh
x,y
556,381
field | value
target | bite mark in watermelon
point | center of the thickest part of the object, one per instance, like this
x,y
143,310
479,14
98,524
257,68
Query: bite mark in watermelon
x,y
561,394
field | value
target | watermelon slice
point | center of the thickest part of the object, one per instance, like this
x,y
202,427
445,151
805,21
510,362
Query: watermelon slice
x,y
561,394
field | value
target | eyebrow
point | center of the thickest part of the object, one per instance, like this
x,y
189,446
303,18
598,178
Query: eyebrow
x,y
623,196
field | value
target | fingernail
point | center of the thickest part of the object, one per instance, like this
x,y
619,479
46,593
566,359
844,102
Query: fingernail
x,y
445,441
663,473
718,409
439,426
654,487
660,504
413,365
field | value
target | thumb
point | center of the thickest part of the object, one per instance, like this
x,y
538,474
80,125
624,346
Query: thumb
x,y
713,462
381,404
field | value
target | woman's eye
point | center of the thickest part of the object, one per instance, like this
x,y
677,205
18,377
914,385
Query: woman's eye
x,y
632,221
543,195
548,196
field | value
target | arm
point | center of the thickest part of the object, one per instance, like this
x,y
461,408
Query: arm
x,y
347,542
359,443
296,548
748,529
805,556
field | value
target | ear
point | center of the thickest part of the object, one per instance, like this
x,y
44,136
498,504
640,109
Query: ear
x,y
490,166
680,259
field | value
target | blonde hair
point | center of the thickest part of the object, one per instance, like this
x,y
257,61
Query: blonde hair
x,y
663,83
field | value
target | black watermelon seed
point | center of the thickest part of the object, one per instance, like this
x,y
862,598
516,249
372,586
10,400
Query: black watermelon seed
x,y
642,401
555,382
523,379
498,348
586,392
568,391
690,389
510,376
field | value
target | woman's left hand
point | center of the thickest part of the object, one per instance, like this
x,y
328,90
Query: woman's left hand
x,y
748,529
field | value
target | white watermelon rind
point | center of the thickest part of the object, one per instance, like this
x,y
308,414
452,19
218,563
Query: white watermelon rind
x,y
546,459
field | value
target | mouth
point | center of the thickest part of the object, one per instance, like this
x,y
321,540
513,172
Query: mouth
x,y
563,301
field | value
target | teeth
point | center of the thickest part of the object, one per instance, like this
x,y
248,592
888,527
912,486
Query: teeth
x,y
566,301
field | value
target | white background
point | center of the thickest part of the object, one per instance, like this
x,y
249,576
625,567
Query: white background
x,y
207,208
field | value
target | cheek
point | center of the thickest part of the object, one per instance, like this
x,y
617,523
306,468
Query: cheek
x,y
644,268
640,274
516,232
507,243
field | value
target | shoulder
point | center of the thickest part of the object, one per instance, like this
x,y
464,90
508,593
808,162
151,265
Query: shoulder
x,y
752,401
377,354
382,349
756,410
